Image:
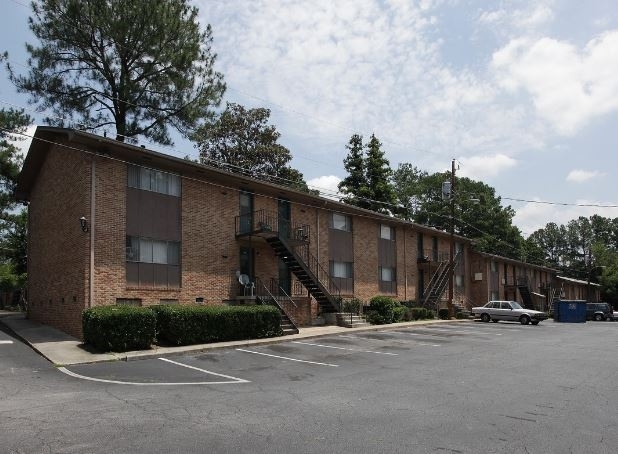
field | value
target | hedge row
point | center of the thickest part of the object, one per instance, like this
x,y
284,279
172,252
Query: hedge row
x,y
119,328
186,325
384,309
123,328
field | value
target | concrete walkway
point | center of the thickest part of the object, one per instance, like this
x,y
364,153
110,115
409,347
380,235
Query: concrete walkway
x,y
64,350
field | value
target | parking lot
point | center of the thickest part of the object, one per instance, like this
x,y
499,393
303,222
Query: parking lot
x,y
464,387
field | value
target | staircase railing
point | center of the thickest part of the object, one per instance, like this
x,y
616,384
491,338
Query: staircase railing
x,y
323,276
438,280
264,295
278,291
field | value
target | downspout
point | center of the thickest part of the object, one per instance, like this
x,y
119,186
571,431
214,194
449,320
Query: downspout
x,y
405,267
92,224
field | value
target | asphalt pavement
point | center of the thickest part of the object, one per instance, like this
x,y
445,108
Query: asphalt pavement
x,y
62,349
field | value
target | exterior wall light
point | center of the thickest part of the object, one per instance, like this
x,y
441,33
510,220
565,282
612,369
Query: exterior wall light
x,y
83,223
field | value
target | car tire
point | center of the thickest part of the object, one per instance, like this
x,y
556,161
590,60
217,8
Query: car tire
x,y
494,320
485,318
536,322
598,317
524,319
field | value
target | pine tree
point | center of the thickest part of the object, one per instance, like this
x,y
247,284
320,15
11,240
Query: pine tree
x,y
140,65
354,186
378,177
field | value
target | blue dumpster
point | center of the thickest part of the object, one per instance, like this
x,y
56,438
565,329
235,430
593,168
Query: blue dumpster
x,y
570,311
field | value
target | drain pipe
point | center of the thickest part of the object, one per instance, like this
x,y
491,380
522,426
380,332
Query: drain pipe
x,y
92,224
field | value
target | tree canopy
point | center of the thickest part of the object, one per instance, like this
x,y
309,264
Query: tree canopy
x,y
479,214
13,222
241,140
368,183
141,66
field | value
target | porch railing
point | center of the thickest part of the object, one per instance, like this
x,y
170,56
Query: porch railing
x,y
262,221
321,274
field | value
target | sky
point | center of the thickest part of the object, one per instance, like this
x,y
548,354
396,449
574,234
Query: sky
x,y
522,94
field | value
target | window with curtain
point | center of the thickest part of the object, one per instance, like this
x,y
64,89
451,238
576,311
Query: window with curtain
x,y
387,232
341,269
153,180
147,250
341,222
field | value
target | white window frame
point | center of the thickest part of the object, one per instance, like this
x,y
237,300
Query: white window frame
x,y
341,222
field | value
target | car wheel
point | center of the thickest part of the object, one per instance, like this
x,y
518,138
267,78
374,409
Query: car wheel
x,y
536,322
485,317
598,317
494,320
524,319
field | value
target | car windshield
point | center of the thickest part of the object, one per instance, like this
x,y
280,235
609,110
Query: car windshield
x,y
516,305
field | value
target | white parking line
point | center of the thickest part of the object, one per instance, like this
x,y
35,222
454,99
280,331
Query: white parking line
x,y
347,349
233,380
286,358
383,340
236,380
443,330
3,342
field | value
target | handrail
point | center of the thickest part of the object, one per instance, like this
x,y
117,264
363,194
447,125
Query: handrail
x,y
318,271
269,221
274,283
261,286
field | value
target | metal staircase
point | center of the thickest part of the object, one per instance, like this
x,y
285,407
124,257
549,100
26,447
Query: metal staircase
x,y
523,286
439,281
308,271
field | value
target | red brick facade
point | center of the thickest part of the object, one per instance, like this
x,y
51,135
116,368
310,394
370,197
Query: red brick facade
x,y
58,183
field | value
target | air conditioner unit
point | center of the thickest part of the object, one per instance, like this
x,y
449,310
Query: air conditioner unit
x,y
478,276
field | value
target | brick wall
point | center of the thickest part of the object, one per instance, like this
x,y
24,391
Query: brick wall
x,y
58,250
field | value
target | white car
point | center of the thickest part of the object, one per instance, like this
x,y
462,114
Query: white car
x,y
508,311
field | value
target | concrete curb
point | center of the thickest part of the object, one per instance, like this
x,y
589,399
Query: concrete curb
x,y
64,350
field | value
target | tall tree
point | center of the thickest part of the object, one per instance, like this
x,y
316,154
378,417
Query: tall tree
x,y
379,174
354,187
479,213
242,141
141,65
13,222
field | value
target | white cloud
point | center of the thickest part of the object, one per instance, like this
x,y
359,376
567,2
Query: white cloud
x,y
484,167
327,185
580,176
569,87
530,17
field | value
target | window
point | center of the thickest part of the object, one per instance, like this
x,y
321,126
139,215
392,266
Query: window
x,y
387,274
387,232
341,222
146,250
505,305
341,269
459,280
153,180
493,266
128,301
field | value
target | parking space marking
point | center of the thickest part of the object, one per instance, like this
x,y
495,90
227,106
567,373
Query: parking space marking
x,y
4,342
235,380
347,349
385,340
444,330
287,358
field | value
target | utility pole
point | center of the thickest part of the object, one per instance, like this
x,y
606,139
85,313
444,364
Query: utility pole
x,y
452,246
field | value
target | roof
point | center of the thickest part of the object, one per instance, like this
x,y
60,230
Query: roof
x,y
46,136
515,262
577,281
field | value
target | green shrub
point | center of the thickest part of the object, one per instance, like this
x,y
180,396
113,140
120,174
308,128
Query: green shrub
x,y
443,314
119,328
399,312
417,313
352,305
382,310
462,314
186,325
430,314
